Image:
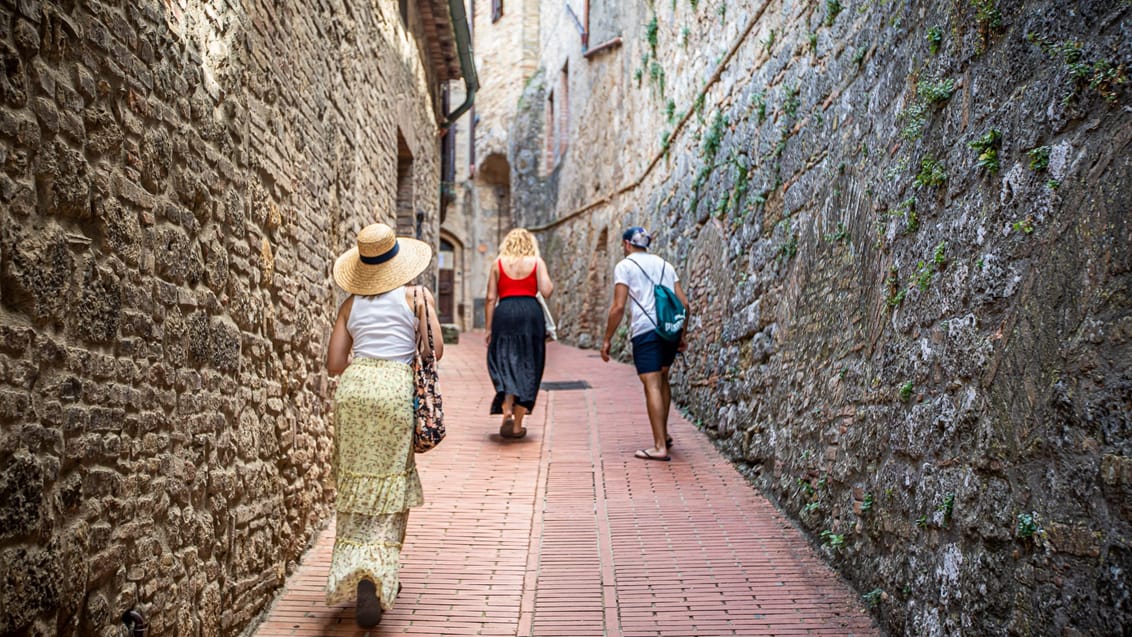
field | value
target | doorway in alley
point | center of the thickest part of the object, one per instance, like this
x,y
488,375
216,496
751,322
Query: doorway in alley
x,y
446,282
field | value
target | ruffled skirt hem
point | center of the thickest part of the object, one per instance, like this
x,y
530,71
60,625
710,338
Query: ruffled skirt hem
x,y
378,495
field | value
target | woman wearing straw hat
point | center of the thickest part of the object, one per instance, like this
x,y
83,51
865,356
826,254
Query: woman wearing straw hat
x,y
516,329
373,345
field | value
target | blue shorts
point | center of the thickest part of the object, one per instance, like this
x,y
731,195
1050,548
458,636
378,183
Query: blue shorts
x,y
651,353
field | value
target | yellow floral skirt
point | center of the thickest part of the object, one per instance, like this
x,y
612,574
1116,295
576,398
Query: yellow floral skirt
x,y
376,475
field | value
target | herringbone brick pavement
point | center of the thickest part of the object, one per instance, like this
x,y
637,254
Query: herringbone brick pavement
x,y
565,533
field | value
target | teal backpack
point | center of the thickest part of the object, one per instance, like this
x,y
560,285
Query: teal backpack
x,y
670,313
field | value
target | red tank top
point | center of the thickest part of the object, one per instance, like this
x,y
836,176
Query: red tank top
x,y
526,286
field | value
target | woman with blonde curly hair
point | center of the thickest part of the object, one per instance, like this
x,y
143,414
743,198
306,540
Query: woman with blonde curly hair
x,y
516,329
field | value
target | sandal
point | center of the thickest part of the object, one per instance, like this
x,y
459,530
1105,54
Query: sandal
x,y
506,430
368,613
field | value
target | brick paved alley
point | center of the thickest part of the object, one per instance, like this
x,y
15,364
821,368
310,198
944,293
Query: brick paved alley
x,y
566,533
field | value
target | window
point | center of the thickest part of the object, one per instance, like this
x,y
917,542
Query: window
x,y
557,126
403,5
563,135
496,10
550,147
405,218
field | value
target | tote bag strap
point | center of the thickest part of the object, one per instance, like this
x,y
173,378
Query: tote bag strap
x,y
424,326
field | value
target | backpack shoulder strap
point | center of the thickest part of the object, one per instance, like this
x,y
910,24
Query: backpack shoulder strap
x,y
642,268
651,319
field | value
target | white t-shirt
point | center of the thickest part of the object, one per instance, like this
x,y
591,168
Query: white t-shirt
x,y
640,288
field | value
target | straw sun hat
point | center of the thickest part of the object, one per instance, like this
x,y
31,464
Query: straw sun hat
x,y
381,261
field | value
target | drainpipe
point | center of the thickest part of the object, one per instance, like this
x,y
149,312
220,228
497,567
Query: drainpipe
x,y
467,64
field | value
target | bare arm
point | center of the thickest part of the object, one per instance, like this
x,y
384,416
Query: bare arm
x,y
338,351
545,285
492,297
687,315
434,321
616,313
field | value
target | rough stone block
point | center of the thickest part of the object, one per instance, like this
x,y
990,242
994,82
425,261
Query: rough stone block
x,y
21,484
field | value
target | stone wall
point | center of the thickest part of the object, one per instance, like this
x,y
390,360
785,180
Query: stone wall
x,y
904,230
177,178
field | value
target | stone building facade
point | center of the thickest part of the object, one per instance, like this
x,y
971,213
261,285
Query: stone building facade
x,y
904,231
177,179
506,43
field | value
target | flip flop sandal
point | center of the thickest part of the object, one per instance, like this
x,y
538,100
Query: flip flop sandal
x,y
645,455
505,431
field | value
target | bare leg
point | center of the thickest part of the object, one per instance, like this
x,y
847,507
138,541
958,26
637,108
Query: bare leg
x,y
656,392
508,406
520,413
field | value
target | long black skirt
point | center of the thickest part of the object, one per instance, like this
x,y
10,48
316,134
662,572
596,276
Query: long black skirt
x,y
517,353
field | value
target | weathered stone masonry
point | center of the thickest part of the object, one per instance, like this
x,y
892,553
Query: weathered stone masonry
x,y
177,178
905,231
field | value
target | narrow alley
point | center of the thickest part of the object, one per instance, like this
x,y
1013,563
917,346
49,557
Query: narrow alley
x,y
566,533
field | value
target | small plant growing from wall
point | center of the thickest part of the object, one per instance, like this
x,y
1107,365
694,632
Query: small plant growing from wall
x,y
932,174
939,257
947,507
806,489
907,211
758,102
896,296
790,248
1100,75
670,110
768,43
790,105
656,74
988,21
685,32
1039,158
840,234
652,30
935,39
832,8
833,540
935,91
873,597
1025,226
714,137
867,503
987,145
859,54
929,93
924,273
906,391
1029,527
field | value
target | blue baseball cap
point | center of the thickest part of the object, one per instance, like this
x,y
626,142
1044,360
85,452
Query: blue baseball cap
x,y
637,236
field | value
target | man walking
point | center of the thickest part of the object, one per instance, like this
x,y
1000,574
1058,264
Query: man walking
x,y
635,278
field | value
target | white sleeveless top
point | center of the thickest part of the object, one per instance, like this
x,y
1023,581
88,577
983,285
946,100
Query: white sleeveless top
x,y
383,326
